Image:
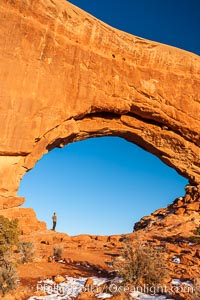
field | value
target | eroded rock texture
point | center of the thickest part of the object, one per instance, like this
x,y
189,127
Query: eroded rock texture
x,y
183,209
65,76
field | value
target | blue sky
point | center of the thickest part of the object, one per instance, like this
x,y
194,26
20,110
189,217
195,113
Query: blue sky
x,y
105,185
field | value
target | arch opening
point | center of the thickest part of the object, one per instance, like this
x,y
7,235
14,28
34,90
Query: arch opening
x,y
147,94
99,186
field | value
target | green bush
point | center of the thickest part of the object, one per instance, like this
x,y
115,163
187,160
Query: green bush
x,y
9,234
27,252
141,263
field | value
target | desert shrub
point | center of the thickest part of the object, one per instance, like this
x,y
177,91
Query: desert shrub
x,y
194,239
27,252
8,272
141,264
197,230
8,278
196,285
9,234
57,252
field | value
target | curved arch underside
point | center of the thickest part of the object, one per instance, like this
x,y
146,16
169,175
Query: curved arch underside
x,y
66,76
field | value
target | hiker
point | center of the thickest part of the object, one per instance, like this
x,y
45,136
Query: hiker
x,y
54,218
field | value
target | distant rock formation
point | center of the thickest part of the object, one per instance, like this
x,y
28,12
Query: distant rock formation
x,y
65,76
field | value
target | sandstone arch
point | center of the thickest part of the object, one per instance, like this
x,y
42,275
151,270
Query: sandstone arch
x,y
66,76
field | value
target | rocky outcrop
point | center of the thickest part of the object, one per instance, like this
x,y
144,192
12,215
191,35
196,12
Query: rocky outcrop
x,y
184,211
65,76
95,254
27,219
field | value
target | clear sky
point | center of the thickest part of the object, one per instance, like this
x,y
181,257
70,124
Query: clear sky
x,y
104,185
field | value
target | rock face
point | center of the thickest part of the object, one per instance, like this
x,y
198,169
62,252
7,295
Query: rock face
x,y
27,219
65,76
184,210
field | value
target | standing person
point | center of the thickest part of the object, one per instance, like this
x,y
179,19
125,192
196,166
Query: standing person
x,y
54,218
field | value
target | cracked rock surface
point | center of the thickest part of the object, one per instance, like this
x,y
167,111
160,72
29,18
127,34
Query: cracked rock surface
x,y
66,76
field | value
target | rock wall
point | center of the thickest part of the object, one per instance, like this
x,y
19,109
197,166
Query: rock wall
x,y
65,76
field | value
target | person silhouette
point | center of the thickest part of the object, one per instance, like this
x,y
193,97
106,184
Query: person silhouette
x,y
54,218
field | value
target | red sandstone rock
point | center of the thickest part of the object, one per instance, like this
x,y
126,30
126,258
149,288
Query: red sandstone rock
x,y
28,222
180,211
172,248
89,283
82,238
59,279
193,206
177,215
86,296
59,91
9,202
197,253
